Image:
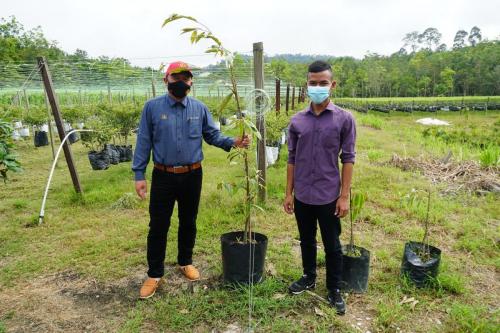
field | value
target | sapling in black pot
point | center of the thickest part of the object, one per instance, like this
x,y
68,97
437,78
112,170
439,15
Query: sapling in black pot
x,y
36,117
96,141
420,260
243,252
355,259
124,118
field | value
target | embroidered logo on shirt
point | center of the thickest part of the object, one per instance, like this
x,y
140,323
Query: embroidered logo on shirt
x,y
193,118
163,116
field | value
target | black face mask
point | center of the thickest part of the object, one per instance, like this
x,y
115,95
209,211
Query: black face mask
x,y
179,88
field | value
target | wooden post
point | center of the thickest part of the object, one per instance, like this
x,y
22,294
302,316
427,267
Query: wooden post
x,y
258,67
49,89
278,96
287,98
293,98
18,99
110,98
80,96
26,100
153,88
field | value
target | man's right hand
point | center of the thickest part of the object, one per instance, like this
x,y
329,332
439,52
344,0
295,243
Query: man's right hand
x,y
141,188
288,204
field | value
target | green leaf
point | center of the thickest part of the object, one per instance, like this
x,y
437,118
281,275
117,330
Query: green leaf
x,y
199,37
224,103
215,39
212,50
175,17
193,36
186,30
251,126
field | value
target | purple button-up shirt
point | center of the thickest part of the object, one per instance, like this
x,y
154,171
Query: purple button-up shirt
x,y
314,145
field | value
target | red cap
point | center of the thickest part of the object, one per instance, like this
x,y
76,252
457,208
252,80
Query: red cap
x,y
178,67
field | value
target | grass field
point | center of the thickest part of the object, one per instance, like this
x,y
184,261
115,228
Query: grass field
x,y
81,270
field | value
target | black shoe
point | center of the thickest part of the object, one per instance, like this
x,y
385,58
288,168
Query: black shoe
x,y
302,284
335,299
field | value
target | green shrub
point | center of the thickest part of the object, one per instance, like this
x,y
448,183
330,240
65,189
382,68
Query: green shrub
x,y
8,160
490,157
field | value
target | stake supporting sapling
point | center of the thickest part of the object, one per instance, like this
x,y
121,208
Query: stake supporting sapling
x,y
425,255
356,203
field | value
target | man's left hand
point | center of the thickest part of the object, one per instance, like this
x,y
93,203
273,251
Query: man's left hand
x,y
342,207
242,142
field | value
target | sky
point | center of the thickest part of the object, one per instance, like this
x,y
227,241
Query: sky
x,y
132,29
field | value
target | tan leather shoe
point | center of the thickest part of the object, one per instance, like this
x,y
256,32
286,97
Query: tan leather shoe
x,y
190,272
149,287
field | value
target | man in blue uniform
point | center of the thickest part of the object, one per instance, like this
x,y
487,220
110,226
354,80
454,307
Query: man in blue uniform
x,y
172,126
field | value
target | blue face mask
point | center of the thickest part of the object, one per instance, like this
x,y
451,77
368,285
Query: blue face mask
x,y
318,94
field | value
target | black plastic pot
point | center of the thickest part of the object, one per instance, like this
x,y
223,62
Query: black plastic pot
x,y
126,153
41,139
355,270
420,273
237,258
99,160
113,153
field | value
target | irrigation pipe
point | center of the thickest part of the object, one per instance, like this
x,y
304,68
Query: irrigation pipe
x,y
42,209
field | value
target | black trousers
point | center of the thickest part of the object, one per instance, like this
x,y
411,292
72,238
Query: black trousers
x,y
308,216
166,189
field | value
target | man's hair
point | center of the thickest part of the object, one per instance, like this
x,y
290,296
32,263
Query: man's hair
x,y
319,66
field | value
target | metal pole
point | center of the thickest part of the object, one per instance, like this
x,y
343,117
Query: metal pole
x,y
258,65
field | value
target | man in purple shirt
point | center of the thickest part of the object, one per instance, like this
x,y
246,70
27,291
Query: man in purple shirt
x,y
315,190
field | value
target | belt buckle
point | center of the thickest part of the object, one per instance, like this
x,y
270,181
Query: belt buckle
x,y
177,167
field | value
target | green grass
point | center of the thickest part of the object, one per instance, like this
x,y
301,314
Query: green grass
x,y
101,237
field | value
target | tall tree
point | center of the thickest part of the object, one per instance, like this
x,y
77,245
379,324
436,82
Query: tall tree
x,y
459,40
431,37
411,40
475,36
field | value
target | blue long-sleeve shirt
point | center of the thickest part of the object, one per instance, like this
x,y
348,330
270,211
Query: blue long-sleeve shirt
x,y
174,131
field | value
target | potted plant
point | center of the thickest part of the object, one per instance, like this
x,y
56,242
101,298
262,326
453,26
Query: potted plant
x,y
213,105
74,115
96,140
275,125
8,160
37,118
420,260
355,259
124,119
243,252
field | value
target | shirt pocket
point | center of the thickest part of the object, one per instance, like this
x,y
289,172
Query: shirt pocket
x,y
194,127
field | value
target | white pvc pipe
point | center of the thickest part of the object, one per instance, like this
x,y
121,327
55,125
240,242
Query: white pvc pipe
x,y
42,210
